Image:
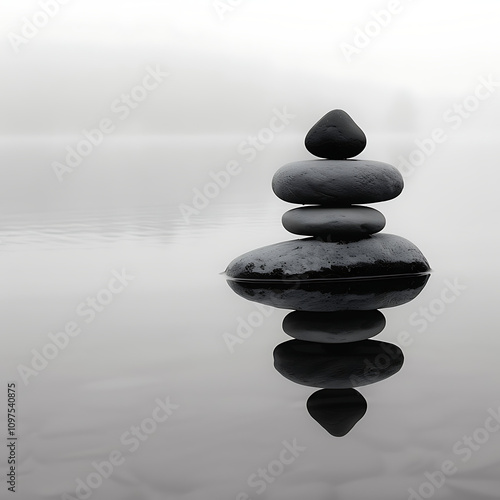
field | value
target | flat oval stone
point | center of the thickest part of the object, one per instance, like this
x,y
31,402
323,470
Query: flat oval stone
x,y
338,223
337,182
337,366
333,327
337,410
378,255
335,136
326,296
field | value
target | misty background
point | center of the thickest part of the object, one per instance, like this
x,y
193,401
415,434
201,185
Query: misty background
x,y
225,78
233,67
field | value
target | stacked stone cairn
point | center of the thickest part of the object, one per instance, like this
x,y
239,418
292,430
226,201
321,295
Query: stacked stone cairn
x,y
343,239
335,184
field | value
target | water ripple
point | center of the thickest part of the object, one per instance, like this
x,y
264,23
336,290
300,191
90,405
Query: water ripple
x,y
96,229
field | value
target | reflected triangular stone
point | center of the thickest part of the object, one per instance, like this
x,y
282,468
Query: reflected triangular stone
x,y
337,410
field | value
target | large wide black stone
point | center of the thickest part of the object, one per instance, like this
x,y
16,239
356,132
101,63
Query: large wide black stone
x,y
337,410
309,258
337,182
337,366
335,136
346,295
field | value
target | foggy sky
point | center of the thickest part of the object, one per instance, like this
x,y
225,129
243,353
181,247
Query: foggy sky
x,y
228,74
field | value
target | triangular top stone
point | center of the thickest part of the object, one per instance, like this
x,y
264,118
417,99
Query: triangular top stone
x,y
335,137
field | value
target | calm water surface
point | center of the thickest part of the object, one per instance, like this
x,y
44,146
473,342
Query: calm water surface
x,y
160,340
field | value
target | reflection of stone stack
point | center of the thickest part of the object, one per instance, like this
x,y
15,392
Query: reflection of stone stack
x,y
329,359
343,243
332,324
337,280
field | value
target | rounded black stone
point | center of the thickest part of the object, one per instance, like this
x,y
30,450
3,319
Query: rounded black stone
x,y
337,223
337,366
337,182
333,327
335,136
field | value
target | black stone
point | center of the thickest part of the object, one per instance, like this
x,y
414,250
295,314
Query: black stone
x,y
337,366
333,327
334,224
335,136
346,295
305,259
337,182
337,410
